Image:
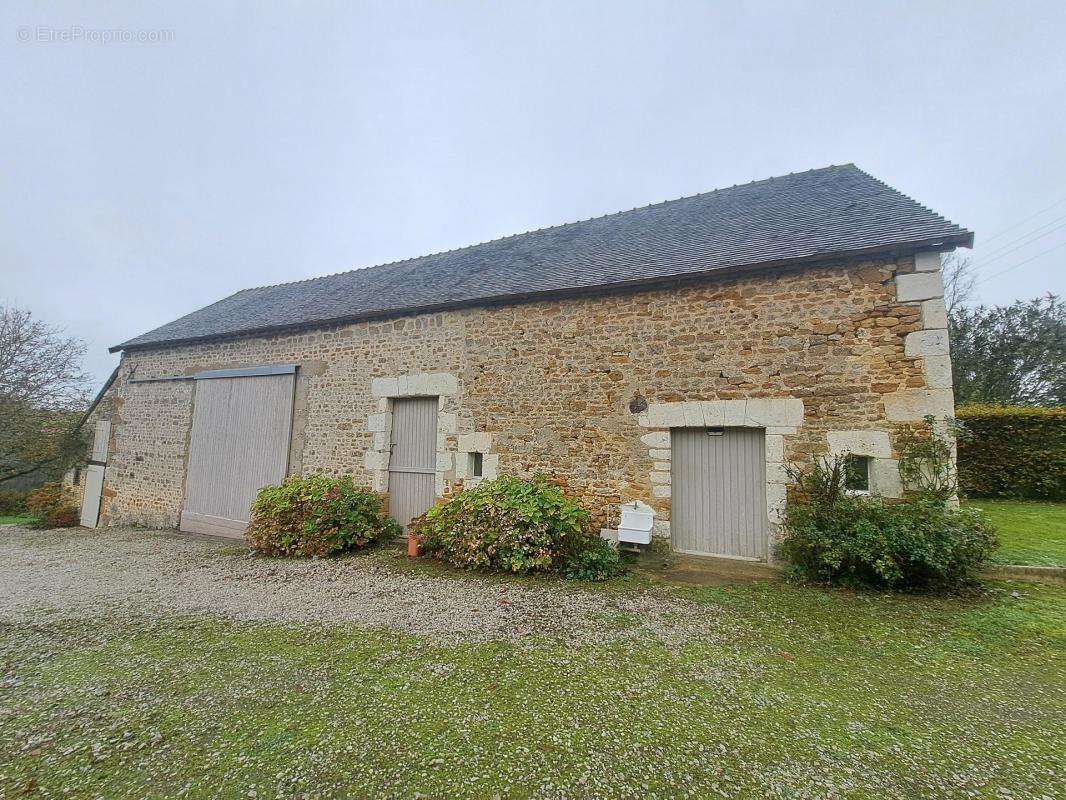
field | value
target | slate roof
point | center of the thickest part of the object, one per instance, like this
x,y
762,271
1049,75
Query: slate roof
x,y
818,215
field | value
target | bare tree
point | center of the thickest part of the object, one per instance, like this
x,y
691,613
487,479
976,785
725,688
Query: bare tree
x,y
43,389
960,280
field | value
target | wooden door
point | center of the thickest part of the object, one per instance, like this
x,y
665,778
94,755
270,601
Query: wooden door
x,y
239,443
413,460
719,492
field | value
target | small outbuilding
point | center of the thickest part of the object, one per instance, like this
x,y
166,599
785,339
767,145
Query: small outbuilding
x,y
677,355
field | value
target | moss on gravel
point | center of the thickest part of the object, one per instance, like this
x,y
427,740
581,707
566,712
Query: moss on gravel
x,y
799,692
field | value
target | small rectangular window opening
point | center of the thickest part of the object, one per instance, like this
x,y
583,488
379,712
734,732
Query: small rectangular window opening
x,y
476,464
857,475
715,431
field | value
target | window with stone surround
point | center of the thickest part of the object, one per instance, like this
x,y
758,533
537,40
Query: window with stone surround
x,y
477,461
857,474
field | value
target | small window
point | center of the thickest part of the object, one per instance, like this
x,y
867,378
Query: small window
x,y
857,477
476,464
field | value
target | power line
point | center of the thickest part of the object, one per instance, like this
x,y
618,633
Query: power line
x,y
1058,202
1022,241
1020,264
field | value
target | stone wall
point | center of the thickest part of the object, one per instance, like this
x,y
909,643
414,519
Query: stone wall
x,y
564,386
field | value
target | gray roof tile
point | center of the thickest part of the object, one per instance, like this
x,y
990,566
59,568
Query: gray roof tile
x,y
813,215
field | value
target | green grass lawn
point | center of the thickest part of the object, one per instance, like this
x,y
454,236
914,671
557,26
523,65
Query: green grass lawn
x,y
794,692
16,520
1029,532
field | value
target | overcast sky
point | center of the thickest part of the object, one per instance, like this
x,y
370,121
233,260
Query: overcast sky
x,y
270,142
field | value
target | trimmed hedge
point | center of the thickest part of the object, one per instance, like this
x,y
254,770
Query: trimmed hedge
x,y
1013,451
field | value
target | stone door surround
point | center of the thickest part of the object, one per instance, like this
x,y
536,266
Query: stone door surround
x,y
427,384
453,448
778,417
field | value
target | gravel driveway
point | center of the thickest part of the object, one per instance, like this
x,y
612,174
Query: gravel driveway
x,y
78,573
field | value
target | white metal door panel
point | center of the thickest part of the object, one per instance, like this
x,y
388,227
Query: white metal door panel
x,y
100,440
90,502
413,461
239,443
719,492
94,475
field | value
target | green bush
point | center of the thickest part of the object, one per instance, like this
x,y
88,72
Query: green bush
x,y
12,503
926,457
597,561
1013,452
315,515
513,525
920,543
51,507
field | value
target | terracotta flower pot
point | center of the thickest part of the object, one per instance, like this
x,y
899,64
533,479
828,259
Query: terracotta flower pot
x,y
414,545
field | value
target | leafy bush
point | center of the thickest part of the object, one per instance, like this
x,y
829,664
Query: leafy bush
x,y
916,543
597,561
1013,452
513,525
926,457
315,515
51,507
63,516
41,500
12,504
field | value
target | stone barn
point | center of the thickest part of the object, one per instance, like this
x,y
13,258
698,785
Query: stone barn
x,y
680,354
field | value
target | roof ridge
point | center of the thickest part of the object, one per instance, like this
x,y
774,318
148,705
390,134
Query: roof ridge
x,y
399,261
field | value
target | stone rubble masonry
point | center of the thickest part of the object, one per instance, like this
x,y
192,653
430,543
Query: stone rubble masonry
x,y
546,386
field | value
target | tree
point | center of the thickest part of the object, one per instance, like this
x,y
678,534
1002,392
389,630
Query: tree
x,y
43,389
960,280
1010,355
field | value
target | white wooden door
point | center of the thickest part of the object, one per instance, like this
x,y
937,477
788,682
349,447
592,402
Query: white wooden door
x,y
94,475
413,461
239,443
718,504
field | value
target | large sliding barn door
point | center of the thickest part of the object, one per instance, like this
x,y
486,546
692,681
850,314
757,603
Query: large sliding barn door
x,y
239,443
719,492
413,462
